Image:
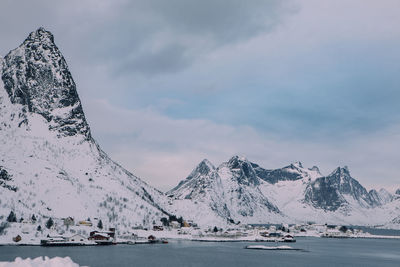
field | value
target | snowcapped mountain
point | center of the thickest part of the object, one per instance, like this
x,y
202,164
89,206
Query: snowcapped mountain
x,y
331,192
229,193
49,163
249,193
381,197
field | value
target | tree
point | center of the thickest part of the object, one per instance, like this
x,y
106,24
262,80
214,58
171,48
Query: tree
x,y
33,218
39,228
164,221
343,229
49,223
215,229
11,217
100,224
172,218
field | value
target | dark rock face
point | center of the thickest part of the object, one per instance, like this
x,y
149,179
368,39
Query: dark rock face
x,y
274,176
375,196
398,192
323,194
198,180
36,76
328,192
243,171
5,179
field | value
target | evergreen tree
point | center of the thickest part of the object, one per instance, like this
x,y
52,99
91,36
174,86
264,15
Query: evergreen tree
x,y
164,221
100,224
49,223
215,229
33,218
11,217
39,228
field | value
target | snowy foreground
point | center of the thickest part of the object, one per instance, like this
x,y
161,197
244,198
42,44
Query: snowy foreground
x,y
40,262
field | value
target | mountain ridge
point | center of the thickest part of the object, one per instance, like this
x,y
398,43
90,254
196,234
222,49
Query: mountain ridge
x,y
294,193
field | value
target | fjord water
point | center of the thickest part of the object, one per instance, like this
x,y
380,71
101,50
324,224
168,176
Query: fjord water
x,y
317,252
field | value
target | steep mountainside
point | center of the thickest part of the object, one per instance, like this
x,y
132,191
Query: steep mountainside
x,y
49,163
330,192
229,193
293,193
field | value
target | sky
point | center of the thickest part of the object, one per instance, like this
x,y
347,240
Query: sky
x,y
165,84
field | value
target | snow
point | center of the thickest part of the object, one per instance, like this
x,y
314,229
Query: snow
x,y
40,262
60,175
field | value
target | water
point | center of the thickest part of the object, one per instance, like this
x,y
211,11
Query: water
x,y
321,252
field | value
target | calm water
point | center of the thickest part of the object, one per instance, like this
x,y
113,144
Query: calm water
x,y
321,252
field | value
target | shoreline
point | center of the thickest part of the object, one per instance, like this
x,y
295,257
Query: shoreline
x,y
218,240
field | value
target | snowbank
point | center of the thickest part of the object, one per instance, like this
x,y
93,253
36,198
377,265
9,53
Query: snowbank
x,y
41,262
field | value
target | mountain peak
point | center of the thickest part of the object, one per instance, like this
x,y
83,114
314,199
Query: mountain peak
x,y
204,167
36,75
341,171
297,164
235,161
40,35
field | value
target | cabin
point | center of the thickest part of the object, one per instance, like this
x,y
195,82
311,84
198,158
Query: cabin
x,y
17,238
99,237
96,234
264,234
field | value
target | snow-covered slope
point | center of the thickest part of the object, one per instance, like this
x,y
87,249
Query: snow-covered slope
x,y
252,194
229,193
49,163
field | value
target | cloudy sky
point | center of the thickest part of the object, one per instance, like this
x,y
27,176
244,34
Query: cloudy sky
x,y
165,84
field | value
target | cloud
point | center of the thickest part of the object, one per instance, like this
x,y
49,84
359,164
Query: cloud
x,y
275,80
163,150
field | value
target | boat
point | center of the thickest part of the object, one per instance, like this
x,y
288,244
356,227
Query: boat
x,y
61,241
288,238
262,247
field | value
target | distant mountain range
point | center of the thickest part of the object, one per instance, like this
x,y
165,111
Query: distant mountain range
x,y
242,191
51,166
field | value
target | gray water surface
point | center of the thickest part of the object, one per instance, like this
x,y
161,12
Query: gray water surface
x,y
318,252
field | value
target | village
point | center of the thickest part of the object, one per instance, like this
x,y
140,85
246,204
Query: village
x,y
92,231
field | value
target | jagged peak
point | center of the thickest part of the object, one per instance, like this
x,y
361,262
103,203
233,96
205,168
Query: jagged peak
x,y
237,158
236,162
40,35
341,171
36,75
205,166
297,164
